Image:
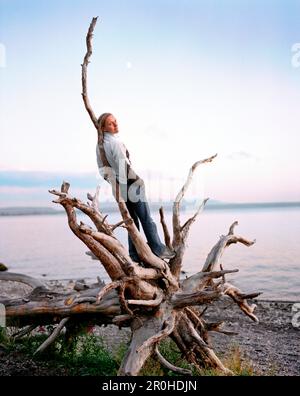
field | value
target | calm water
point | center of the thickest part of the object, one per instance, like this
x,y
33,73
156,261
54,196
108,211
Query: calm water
x,y
43,246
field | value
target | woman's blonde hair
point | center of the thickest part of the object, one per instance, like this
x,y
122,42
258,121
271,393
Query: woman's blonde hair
x,y
102,119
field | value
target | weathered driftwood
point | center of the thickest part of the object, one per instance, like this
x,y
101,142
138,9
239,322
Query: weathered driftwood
x,y
152,299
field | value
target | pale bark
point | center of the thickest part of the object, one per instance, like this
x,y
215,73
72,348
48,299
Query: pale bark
x,y
217,251
171,366
28,280
165,228
53,336
241,300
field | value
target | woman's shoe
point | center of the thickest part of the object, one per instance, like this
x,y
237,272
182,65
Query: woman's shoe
x,y
167,254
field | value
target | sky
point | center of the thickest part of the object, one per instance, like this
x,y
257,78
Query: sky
x,y
185,78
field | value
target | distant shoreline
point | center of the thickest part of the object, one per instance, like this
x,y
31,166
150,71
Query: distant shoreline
x,y
168,206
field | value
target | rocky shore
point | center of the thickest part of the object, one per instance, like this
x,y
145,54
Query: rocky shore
x,y
272,345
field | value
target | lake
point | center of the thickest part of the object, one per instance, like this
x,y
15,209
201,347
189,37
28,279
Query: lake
x,y
44,247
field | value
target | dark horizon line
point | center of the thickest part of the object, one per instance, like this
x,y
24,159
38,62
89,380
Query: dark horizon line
x,y
111,206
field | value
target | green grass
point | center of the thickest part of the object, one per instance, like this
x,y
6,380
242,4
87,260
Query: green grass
x,y
91,358
3,336
87,357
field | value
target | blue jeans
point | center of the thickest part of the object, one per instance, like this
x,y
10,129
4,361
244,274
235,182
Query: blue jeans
x,y
140,212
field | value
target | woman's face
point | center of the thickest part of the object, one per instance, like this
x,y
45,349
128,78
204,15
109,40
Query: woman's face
x,y
111,125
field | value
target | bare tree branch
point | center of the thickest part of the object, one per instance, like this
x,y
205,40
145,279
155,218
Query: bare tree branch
x,y
217,251
165,228
180,195
106,289
24,331
28,280
147,303
198,281
169,365
52,337
185,228
181,300
165,332
180,233
84,72
240,299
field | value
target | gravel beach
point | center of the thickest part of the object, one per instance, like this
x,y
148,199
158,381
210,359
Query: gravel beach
x,y
272,345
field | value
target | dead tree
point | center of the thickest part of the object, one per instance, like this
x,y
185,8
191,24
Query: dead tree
x,y
152,300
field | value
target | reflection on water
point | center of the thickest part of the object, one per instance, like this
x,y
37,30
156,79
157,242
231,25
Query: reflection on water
x,y
43,246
